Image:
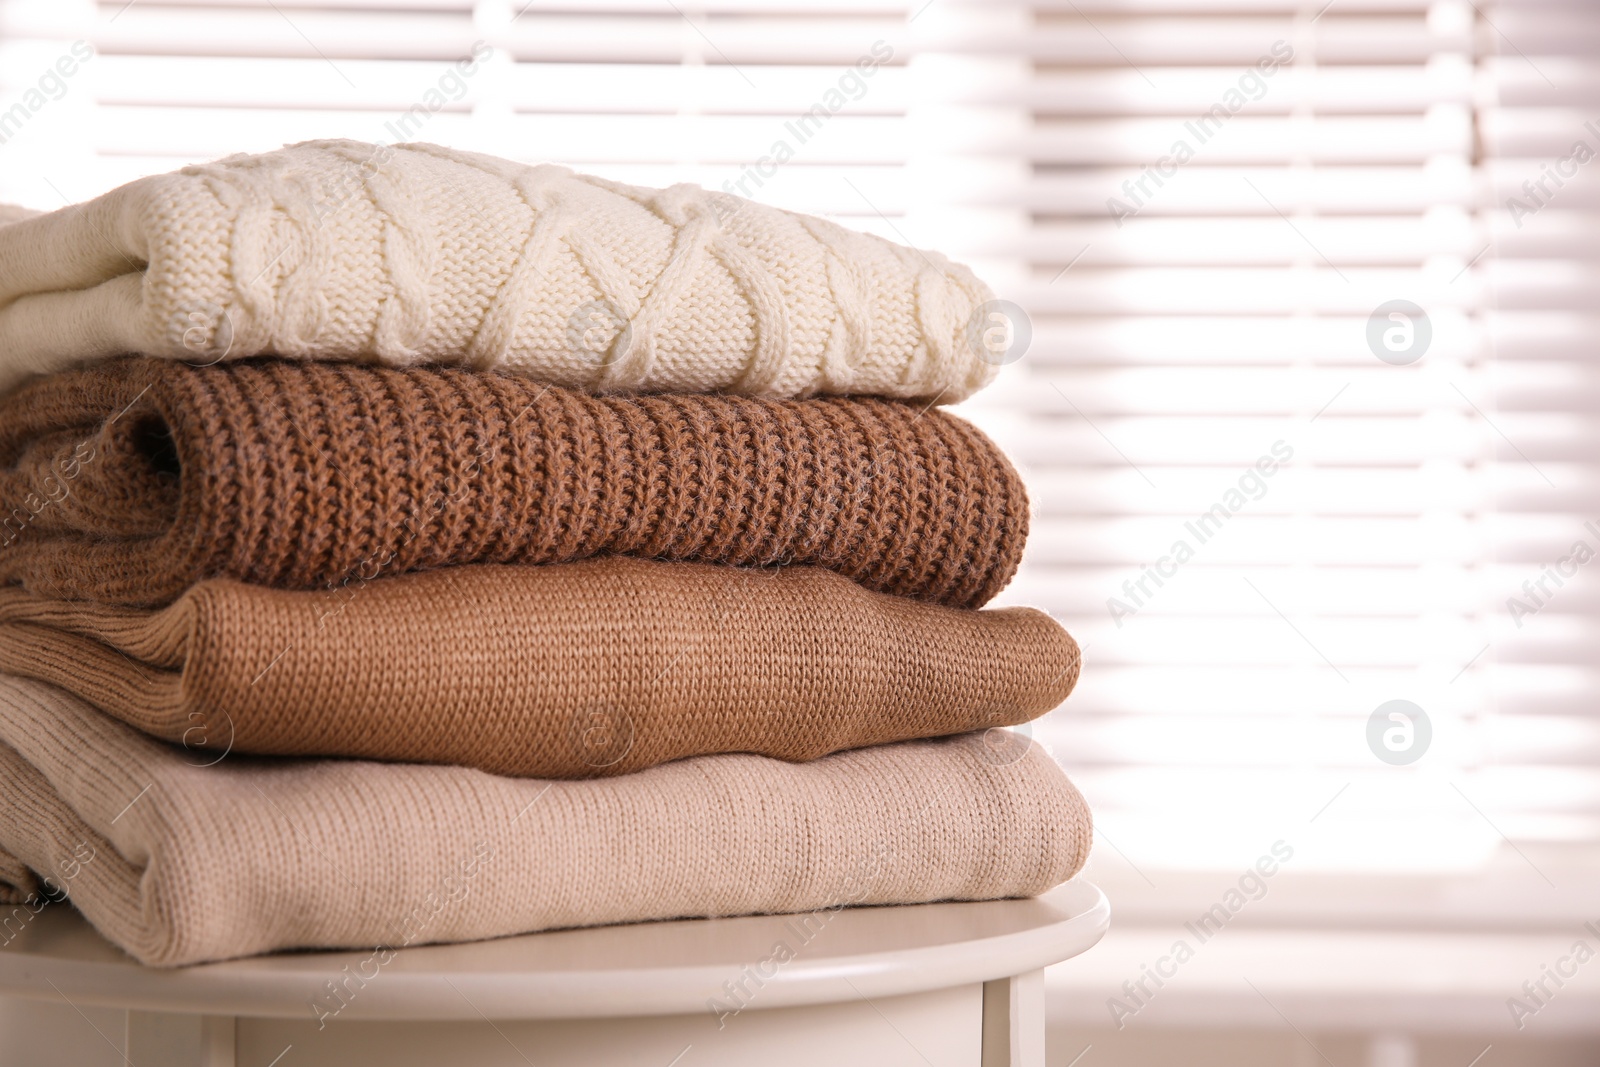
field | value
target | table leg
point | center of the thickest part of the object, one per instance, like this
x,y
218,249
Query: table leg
x,y
1013,1021
180,1040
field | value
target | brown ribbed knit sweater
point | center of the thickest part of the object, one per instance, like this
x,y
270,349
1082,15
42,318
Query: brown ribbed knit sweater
x,y
574,670
128,483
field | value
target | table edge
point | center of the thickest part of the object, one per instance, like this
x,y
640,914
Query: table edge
x,y
567,994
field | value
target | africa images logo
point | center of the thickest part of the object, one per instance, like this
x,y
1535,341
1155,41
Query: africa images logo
x,y
1399,732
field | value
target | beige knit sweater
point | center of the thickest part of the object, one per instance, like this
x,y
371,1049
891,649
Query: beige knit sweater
x,y
179,863
410,253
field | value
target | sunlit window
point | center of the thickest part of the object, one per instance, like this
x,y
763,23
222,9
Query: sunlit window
x,y
1322,558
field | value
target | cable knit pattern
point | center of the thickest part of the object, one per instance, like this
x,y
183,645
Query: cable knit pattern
x,y
180,863
577,670
131,482
400,254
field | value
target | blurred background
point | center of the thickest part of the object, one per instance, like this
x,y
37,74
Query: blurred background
x,y
1302,380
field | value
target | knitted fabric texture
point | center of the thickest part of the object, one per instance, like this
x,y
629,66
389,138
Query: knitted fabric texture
x,y
575,670
130,482
411,253
180,864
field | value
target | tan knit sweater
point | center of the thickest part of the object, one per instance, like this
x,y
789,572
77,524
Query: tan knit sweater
x,y
412,253
179,864
130,482
571,670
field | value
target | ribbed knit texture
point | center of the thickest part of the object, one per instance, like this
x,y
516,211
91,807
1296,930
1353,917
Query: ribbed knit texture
x,y
574,670
17,883
254,855
412,253
130,482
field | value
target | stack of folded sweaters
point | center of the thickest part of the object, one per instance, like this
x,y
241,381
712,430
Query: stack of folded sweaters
x,y
473,549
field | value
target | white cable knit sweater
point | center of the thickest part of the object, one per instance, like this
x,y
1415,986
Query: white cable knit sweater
x,y
415,253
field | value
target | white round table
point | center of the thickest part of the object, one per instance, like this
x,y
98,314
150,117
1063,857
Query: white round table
x,y
926,986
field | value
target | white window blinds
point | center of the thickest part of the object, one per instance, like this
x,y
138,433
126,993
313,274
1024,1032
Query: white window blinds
x,y
1260,530
1540,139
